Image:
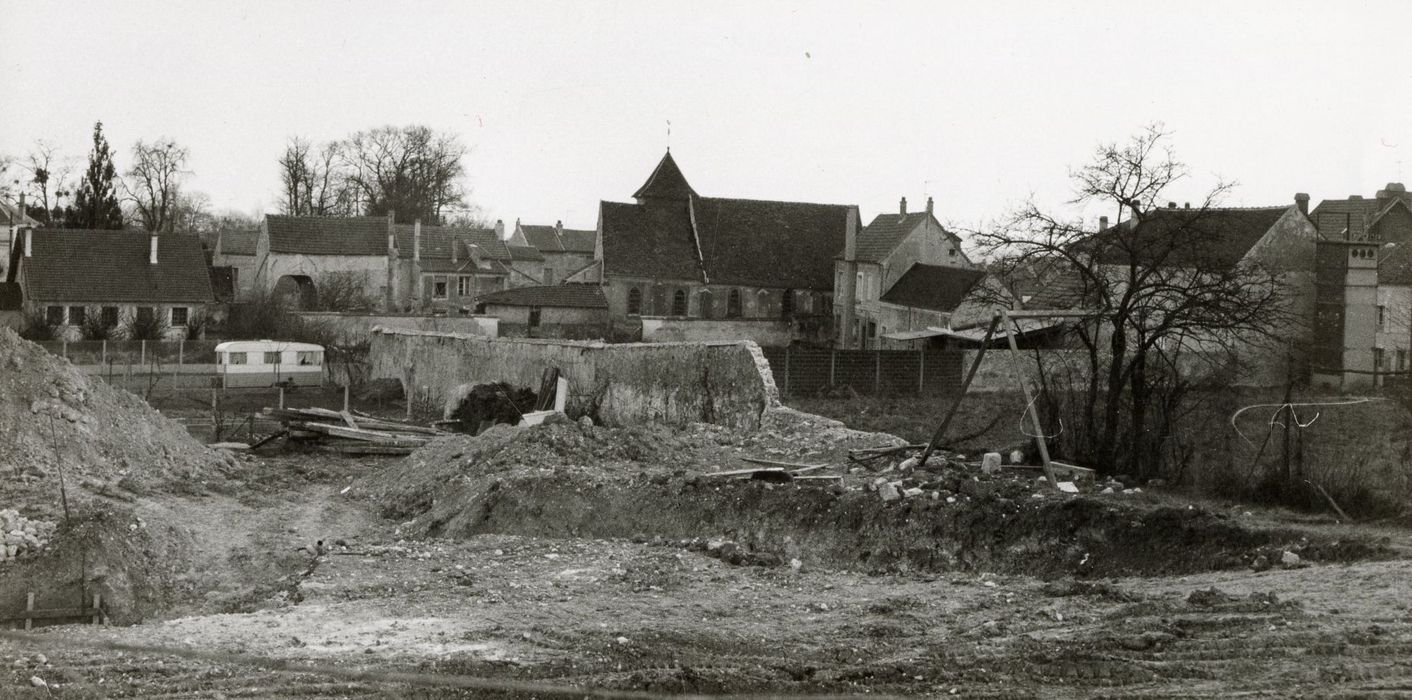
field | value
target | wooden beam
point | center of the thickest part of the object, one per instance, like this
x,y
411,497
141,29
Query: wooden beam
x,y
1029,406
965,386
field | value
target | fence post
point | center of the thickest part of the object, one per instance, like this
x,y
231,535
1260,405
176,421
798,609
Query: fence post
x,y
281,397
181,352
833,360
142,357
921,371
877,372
105,356
64,348
345,396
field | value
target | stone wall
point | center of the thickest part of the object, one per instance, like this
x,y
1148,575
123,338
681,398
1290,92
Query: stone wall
x,y
766,332
727,383
355,329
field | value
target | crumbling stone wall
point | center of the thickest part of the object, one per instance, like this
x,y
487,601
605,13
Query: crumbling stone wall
x,y
726,383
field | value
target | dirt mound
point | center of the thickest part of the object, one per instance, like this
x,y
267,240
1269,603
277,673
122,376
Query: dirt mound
x,y
649,483
106,438
110,447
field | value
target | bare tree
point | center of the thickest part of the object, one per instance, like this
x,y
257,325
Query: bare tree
x,y
192,213
154,182
48,176
413,171
1163,295
314,179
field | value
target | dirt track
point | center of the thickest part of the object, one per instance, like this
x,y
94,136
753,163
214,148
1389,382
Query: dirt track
x,y
661,617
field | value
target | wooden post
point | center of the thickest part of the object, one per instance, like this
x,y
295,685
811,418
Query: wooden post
x,y
410,375
833,360
345,396
29,608
181,352
105,355
64,348
142,358
965,385
877,372
281,397
1029,406
922,370
97,610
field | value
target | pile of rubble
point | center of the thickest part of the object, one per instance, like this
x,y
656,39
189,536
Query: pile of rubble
x,y
23,536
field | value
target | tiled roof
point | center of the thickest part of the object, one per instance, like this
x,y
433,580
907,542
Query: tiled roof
x,y
770,244
11,299
10,212
521,253
112,266
1062,289
437,240
462,266
580,296
578,241
665,182
1182,237
933,287
643,241
545,238
878,239
328,235
239,241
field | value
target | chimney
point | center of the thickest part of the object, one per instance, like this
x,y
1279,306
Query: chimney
x,y
391,234
417,240
1102,223
1171,205
29,241
152,252
850,236
559,227
1186,205
454,245
500,229
1301,200
929,205
902,208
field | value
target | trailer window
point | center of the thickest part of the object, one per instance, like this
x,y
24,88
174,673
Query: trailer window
x,y
235,358
272,358
308,357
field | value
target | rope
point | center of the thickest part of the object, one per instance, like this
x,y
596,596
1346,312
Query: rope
x,y
1290,407
435,680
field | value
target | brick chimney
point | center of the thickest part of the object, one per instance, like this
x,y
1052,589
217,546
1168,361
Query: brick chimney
x,y
29,241
500,229
152,249
929,205
1102,223
902,207
559,227
1301,200
417,240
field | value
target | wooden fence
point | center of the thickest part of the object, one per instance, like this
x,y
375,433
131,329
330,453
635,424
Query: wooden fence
x,y
810,372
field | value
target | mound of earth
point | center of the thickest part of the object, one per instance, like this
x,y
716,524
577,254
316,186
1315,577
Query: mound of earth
x,y
654,483
77,454
105,438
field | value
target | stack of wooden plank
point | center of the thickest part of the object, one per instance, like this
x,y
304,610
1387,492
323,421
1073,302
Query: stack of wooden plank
x,y
352,432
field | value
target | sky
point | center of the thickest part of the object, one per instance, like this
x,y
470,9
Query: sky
x,y
980,105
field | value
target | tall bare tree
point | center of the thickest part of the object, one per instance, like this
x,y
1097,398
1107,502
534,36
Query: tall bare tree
x,y
412,170
314,179
48,177
1161,291
154,182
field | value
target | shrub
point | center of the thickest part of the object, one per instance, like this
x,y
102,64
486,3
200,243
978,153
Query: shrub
x,y
153,326
341,291
36,327
196,324
94,327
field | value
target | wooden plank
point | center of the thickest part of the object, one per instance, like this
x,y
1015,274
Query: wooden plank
x,y
747,472
348,418
1030,409
373,436
787,465
365,449
940,433
53,614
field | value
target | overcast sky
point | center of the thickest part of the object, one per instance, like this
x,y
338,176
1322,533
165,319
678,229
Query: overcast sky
x,y
978,104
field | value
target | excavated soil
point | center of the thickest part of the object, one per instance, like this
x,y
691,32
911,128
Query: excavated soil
x,y
652,484
80,454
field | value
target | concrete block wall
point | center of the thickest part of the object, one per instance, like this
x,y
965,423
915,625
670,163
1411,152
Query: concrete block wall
x,y
726,383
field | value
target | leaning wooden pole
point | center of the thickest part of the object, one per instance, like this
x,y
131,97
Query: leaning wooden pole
x,y
956,404
1029,403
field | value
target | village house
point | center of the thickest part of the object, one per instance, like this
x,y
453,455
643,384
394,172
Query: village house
x,y
114,279
574,311
402,267
871,263
1383,223
233,262
527,266
745,266
565,251
14,221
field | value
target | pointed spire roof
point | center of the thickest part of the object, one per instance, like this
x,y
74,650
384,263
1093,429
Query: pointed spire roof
x,y
666,182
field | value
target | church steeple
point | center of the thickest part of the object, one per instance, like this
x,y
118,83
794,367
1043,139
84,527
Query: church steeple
x,y
666,182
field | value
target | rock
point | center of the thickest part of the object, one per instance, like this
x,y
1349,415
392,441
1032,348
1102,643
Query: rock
x,y
586,421
1017,457
622,640
1289,559
889,492
990,463
1068,487
795,565
908,464
912,492
1261,563
37,682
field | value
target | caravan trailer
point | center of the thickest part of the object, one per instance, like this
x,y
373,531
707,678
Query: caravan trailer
x,y
249,363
